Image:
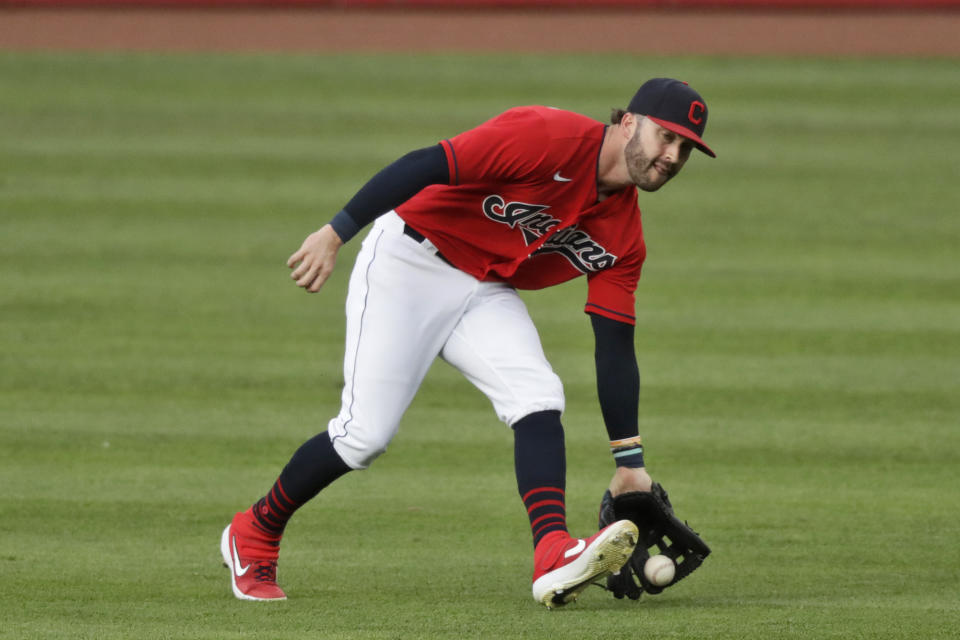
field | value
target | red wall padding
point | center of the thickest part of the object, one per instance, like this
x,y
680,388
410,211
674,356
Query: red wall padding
x,y
480,4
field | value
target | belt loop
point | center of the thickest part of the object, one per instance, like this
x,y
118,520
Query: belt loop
x,y
421,239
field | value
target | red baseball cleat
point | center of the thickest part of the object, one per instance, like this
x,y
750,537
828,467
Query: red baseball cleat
x,y
251,555
565,566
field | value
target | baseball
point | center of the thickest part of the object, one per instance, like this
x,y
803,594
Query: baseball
x,y
659,570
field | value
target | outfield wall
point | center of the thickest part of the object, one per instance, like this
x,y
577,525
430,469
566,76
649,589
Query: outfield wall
x,y
518,4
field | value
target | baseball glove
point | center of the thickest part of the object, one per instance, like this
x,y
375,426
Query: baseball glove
x,y
653,514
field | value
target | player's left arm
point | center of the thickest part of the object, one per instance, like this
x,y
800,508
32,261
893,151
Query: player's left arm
x,y
632,494
618,390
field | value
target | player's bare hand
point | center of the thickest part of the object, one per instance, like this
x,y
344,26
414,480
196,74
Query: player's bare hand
x,y
313,262
626,479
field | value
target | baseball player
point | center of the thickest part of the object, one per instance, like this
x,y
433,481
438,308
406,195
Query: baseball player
x,y
532,198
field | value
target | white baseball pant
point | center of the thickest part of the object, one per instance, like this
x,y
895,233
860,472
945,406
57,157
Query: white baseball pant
x,y
405,306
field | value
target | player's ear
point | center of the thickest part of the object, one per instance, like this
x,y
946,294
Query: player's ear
x,y
629,123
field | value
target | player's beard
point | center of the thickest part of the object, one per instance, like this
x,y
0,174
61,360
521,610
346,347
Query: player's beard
x,y
641,168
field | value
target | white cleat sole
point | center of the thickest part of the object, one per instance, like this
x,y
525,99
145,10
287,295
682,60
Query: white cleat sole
x,y
606,554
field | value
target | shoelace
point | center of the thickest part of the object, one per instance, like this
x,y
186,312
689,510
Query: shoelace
x,y
265,572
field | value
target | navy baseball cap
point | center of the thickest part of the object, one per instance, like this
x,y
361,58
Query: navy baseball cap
x,y
673,105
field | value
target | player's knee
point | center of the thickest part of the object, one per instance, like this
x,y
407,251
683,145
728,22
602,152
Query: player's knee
x,y
359,447
357,453
546,396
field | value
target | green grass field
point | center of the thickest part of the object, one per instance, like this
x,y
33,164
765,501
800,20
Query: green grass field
x,y
798,335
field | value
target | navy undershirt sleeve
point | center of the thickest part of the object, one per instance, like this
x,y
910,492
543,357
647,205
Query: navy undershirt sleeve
x,y
618,376
391,187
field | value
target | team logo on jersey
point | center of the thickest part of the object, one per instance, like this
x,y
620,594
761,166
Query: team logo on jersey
x,y
579,248
529,218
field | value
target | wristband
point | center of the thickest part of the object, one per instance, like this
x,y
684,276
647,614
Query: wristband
x,y
628,452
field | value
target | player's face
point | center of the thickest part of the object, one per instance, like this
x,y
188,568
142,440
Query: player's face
x,y
654,155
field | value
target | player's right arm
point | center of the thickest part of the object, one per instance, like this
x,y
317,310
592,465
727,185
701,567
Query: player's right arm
x,y
314,261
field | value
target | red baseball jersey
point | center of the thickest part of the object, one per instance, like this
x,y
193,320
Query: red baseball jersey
x,y
522,208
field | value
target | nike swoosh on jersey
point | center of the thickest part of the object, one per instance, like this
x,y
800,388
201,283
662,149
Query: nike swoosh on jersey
x,y
237,569
560,178
574,550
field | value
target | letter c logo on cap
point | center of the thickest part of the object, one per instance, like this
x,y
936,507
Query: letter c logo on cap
x,y
695,115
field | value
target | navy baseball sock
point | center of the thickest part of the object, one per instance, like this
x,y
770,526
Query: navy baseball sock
x,y
313,466
541,467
